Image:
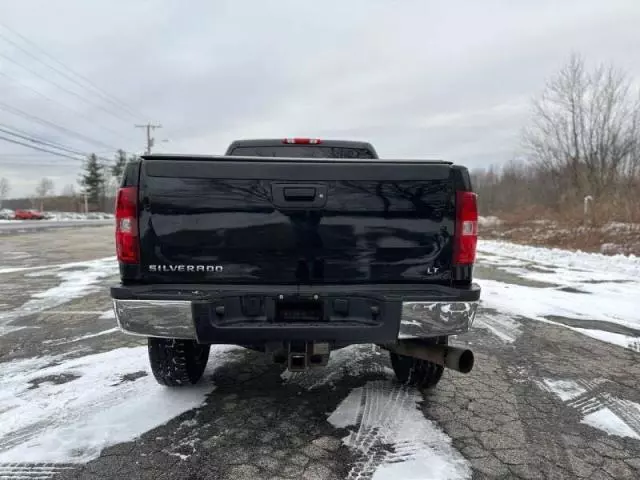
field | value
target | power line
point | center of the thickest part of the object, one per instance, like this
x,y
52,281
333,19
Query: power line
x,y
54,163
67,107
22,155
25,136
94,90
38,155
112,98
51,152
28,145
64,89
49,144
42,121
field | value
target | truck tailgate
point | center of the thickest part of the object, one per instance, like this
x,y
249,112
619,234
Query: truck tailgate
x,y
307,221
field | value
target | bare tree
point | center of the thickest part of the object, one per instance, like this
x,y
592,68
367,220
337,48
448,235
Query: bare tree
x,y
4,189
70,197
69,190
585,128
43,190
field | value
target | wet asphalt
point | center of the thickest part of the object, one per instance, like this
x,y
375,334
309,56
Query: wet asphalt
x,y
258,423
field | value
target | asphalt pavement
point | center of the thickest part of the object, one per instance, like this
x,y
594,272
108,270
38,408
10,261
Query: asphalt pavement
x,y
526,411
25,226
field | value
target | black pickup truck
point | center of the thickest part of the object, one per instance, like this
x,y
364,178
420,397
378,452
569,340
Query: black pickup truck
x,y
296,247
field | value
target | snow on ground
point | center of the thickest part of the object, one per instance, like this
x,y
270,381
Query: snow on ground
x,y
555,257
392,438
55,409
59,217
590,288
109,331
489,221
502,326
565,390
599,410
78,280
19,269
609,422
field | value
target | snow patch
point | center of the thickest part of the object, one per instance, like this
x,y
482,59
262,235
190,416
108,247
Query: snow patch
x,y
565,390
598,408
393,439
556,257
502,326
95,406
616,303
624,341
82,337
19,269
78,279
583,286
609,422
489,221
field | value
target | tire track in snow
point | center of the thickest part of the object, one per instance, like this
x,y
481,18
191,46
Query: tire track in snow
x,y
598,409
392,436
31,471
501,325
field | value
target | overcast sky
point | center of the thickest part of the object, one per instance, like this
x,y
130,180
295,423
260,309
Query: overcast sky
x,y
420,78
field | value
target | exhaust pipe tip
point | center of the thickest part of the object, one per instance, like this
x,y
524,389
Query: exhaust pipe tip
x,y
455,358
465,362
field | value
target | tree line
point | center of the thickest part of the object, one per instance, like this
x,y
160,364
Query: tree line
x,y
98,182
582,144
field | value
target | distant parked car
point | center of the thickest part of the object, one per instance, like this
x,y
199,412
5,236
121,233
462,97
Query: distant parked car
x,y
6,214
28,215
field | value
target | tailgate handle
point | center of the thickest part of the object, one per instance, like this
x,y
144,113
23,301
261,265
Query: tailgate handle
x,y
300,195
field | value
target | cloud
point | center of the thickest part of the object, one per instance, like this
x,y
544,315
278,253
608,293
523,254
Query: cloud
x,y
416,78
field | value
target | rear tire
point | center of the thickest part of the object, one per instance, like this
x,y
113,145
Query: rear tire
x,y
416,372
177,363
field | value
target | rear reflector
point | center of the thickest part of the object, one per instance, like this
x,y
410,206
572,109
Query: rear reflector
x,y
302,141
127,245
466,235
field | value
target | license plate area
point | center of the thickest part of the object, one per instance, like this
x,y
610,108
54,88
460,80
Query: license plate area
x,y
299,310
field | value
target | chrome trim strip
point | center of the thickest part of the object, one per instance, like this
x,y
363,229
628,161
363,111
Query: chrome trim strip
x,y
155,318
430,319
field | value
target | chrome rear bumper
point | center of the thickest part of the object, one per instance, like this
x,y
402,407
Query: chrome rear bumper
x,y
175,319
431,319
155,318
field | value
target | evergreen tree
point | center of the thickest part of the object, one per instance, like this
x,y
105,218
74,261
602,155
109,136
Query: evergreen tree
x,y
93,180
117,169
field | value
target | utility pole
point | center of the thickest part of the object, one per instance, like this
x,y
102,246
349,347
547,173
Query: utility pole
x,y
149,127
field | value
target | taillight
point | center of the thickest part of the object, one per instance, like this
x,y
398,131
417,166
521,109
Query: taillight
x,y
466,235
302,141
127,245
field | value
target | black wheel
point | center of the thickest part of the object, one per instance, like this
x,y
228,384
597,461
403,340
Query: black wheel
x,y
416,372
177,362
